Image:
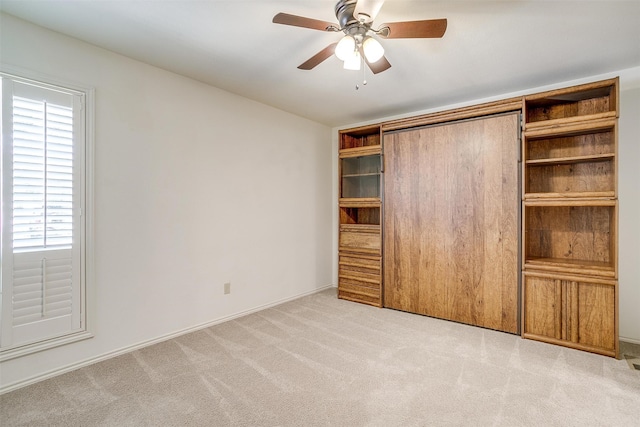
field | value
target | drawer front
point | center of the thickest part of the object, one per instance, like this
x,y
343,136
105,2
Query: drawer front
x,y
363,299
359,290
359,267
351,260
372,277
353,241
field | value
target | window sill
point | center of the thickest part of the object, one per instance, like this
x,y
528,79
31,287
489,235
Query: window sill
x,y
12,353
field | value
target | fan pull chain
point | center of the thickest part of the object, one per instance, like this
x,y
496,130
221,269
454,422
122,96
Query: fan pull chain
x,y
364,75
364,72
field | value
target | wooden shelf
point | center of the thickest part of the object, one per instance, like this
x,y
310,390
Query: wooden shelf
x,y
569,127
575,196
366,228
359,138
360,151
361,175
571,142
570,159
363,202
569,202
577,236
564,107
571,266
555,125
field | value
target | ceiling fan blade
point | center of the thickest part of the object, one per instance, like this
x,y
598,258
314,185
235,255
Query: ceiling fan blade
x,y
427,29
367,9
301,21
379,66
318,57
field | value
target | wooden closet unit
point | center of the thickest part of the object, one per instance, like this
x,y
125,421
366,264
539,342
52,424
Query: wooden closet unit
x,y
360,237
570,287
502,215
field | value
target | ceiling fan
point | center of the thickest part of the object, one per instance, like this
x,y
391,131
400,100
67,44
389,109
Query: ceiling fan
x,y
358,45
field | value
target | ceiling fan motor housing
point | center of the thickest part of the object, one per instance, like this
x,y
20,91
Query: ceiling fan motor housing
x,y
344,12
348,23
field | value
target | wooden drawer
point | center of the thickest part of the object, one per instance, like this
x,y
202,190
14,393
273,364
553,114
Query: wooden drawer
x,y
370,278
353,265
362,290
573,311
359,278
360,241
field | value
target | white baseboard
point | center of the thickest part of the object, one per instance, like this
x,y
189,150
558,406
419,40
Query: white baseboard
x,y
72,367
629,340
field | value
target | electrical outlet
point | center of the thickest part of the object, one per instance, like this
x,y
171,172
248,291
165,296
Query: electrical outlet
x,y
227,288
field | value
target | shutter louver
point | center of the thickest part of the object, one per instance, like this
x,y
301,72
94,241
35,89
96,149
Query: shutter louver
x,y
42,175
28,173
42,286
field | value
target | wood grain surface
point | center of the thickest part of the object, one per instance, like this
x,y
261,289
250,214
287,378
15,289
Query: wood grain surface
x,y
451,221
573,310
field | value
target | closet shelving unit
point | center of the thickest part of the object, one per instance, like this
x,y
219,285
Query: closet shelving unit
x,y
570,210
360,237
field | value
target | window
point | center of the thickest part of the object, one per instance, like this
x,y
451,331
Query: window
x,y
44,235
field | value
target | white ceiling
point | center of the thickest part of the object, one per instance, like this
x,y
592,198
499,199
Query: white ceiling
x,y
490,48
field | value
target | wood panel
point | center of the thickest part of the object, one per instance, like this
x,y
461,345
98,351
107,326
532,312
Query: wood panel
x,y
589,144
363,239
583,177
360,215
576,233
596,99
471,112
574,311
595,309
544,296
599,103
450,221
361,137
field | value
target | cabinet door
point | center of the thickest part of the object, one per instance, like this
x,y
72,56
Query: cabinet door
x,y
594,311
451,221
575,311
543,307
360,177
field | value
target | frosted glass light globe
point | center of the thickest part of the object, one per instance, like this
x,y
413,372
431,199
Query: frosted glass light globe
x,y
373,50
345,48
353,61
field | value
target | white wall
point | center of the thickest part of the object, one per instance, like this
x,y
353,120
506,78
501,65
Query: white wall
x,y
629,216
628,186
194,187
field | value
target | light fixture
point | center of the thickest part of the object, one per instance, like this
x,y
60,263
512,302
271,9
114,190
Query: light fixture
x,y
373,50
366,10
353,61
345,48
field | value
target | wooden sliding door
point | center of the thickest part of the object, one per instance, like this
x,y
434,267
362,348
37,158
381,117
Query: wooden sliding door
x,y
450,221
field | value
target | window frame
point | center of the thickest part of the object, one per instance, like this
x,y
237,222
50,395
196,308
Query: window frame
x,y
87,193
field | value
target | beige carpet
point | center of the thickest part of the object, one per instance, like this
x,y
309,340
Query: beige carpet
x,y
322,361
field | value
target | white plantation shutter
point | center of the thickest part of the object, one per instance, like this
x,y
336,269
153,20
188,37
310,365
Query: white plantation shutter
x,y
41,235
42,175
42,294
